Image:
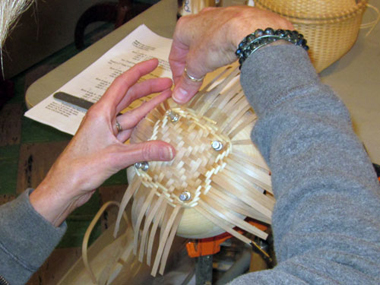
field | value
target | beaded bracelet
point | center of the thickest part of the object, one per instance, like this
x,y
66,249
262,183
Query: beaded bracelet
x,y
260,38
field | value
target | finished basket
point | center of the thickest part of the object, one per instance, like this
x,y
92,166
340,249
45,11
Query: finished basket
x,y
330,27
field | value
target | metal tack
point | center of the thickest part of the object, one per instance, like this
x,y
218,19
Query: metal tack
x,y
142,165
217,145
185,196
174,117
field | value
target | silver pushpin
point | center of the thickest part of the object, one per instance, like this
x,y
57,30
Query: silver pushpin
x,y
142,165
138,165
185,196
217,145
174,117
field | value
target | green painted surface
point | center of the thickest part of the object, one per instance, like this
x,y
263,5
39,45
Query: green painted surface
x,y
78,223
19,89
119,178
34,132
9,156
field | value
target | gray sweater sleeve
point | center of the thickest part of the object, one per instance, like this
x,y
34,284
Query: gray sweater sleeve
x,y
26,239
326,221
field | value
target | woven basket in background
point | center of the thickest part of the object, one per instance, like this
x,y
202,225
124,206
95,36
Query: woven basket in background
x,y
330,27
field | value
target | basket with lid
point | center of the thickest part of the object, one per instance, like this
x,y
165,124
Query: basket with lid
x,y
330,27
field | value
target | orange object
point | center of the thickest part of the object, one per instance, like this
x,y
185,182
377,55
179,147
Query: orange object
x,y
208,246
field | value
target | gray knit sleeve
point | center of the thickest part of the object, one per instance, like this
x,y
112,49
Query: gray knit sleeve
x,y
326,221
26,239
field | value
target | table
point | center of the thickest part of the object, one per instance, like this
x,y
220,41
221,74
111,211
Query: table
x,y
355,77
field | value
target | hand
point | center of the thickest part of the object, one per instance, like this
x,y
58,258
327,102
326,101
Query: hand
x,y
208,40
97,151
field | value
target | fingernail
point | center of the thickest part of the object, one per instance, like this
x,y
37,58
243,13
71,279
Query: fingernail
x,y
167,154
180,95
170,153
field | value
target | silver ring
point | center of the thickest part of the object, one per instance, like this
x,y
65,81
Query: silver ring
x,y
192,78
118,126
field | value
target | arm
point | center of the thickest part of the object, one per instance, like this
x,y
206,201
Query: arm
x,y
325,221
32,225
26,239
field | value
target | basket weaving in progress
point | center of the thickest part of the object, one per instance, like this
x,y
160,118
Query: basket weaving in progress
x,y
216,180
330,27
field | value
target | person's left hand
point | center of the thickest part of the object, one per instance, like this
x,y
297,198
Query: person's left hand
x,y
97,151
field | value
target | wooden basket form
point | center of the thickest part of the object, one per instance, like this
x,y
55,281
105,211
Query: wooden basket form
x,y
330,27
216,180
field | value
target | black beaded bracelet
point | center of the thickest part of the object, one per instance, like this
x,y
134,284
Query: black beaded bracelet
x,y
260,38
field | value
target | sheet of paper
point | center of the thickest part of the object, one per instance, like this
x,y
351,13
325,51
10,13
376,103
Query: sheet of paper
x,y
90,84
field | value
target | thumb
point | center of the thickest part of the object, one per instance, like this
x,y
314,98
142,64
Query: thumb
x,y
187,86
148,151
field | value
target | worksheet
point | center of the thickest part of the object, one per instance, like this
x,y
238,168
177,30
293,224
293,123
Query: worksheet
x,y
140,45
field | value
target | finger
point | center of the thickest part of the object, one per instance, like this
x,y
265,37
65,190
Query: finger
x,y
146,151
177,59
142,89
187,86
124,135
183,37
132,118
119,87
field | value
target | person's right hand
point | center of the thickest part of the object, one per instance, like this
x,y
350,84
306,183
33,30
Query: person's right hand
x,y
208,40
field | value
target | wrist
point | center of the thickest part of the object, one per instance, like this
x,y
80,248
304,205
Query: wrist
x,y
244,24
238,30
263,38
50,203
